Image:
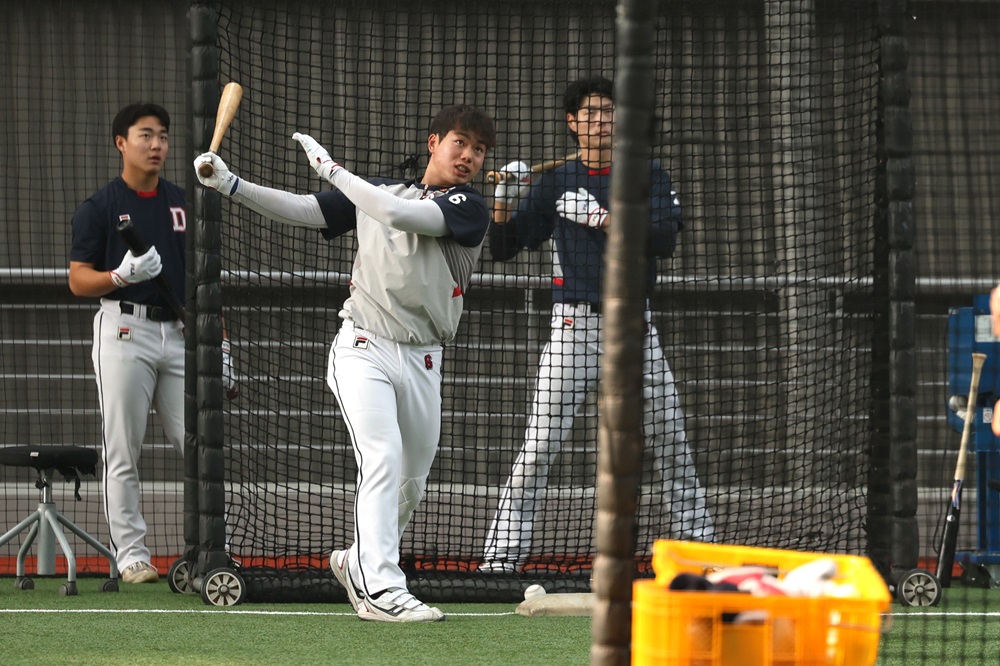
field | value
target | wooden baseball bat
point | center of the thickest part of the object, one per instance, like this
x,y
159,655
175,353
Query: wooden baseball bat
x,y
494,177
946,557
228,103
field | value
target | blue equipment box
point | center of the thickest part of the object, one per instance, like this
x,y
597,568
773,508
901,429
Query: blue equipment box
x,y
970,330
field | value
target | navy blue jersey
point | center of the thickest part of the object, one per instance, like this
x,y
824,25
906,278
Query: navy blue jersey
x,y
159,217
579,250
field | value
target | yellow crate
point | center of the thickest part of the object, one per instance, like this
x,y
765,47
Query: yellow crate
x,y
686,628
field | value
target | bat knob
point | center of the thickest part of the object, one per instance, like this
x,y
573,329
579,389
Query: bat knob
x,y
206,170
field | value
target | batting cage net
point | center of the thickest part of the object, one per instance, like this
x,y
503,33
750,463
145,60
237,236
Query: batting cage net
x,y
766,124
816,358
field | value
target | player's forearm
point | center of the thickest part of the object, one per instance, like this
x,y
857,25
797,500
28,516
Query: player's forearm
x,y
300,210
85,281
502,211
422,216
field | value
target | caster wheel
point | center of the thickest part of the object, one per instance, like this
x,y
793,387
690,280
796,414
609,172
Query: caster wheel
x,y
223,587
24,583
110,585
68,590
918,587
177,577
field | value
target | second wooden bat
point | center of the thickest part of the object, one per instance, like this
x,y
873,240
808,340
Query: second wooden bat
x,y
946,556
494,177
232,94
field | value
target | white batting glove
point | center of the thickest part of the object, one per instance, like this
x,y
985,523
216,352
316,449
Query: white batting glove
x,y
515,182
581,207
222,179
228,375
318,157
135,269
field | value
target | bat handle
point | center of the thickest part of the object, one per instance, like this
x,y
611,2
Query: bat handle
x,y
139,247
132,238
206,170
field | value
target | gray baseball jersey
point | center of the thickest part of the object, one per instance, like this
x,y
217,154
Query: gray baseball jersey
x,y
405,286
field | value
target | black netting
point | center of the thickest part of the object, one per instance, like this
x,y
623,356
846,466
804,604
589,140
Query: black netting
x,y
766,122
776,312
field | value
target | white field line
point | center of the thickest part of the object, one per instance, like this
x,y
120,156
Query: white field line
x,y
229,611
124,611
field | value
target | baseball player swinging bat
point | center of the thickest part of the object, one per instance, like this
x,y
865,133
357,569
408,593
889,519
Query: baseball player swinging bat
x,y
232,94
946,558
494,177
139,247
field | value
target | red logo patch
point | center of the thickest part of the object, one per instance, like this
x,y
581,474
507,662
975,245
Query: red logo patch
x,y
429,362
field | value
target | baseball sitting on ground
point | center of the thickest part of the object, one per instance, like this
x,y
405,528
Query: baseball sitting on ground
x,y
534,591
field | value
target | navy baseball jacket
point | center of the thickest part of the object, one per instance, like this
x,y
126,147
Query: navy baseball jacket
x,y
579,250
160,217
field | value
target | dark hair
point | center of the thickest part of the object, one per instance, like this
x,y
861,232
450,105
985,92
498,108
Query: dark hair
x,y
465,118
131,113
579,90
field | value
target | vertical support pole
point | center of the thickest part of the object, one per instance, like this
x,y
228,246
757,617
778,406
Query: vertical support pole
x,y
204,490
620,437
892,496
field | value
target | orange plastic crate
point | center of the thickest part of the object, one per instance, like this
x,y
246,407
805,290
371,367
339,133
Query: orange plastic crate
x,y
686,628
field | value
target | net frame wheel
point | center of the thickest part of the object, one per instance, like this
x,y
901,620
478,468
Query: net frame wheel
x,y
68,589
24,583
918,587
177,577
223,587
110,585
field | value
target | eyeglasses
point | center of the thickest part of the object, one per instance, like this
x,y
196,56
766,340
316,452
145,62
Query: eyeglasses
x,y
593,112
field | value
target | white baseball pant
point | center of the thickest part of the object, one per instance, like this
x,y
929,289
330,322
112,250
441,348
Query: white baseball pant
x,y
138,364
568,368
390,397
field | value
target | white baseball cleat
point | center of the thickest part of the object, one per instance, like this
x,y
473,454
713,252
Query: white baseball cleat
x,y
398,605
140,572
342,570
497,567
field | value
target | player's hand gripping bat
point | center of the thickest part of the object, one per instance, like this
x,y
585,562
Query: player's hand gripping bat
x,y
228,103
946,558
139,246
502,209
494,177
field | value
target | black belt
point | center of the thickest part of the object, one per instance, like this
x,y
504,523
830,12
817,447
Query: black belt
x,y
152,312
595,308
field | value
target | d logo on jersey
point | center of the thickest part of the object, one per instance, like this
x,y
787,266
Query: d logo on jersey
x,y
179,217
